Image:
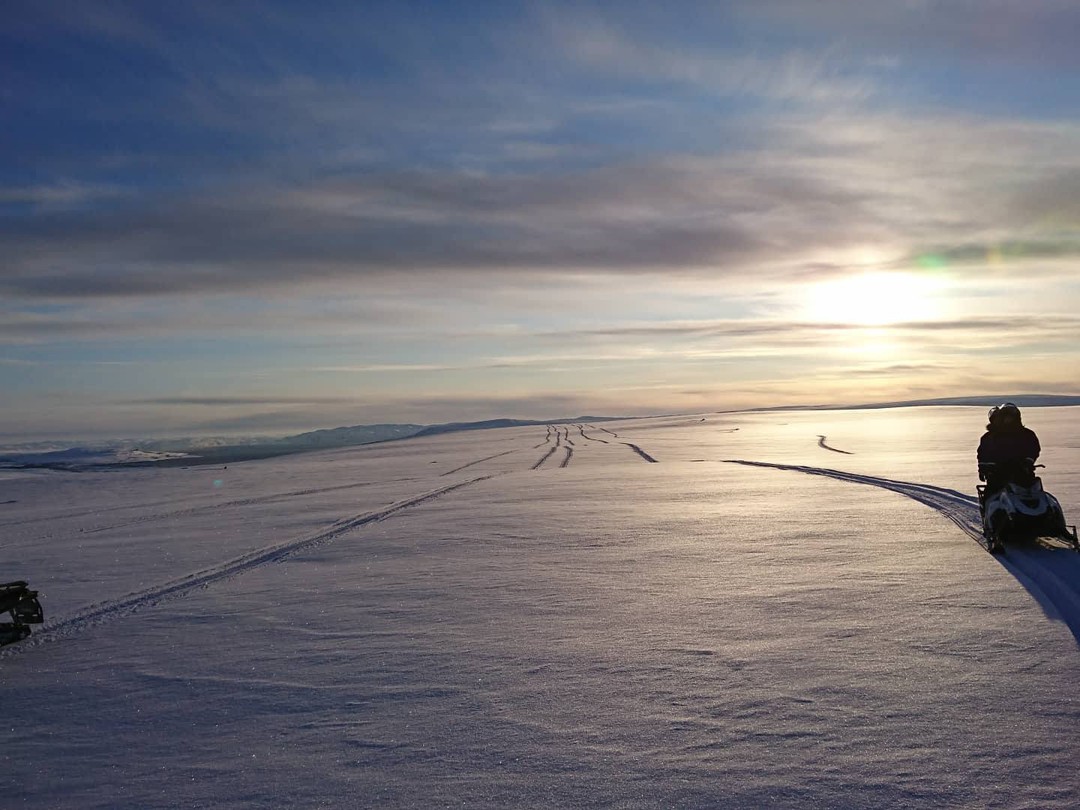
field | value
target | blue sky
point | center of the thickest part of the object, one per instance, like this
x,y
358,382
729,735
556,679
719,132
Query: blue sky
x,y
272,217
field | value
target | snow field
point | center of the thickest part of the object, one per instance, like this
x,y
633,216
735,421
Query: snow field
x,y
612,633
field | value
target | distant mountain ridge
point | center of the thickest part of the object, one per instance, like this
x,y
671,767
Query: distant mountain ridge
x,y
1023,400
988,401
194,451
201,451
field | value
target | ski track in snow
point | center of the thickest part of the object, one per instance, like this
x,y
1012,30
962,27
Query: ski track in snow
x,y
1051,576
102,510
824,446
581,430
561,437
102,612
547,439
641,452
481,460
213,507
80,513
204,507
556,438
544,458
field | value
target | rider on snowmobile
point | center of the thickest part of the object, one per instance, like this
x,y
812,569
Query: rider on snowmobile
x,y
1007,449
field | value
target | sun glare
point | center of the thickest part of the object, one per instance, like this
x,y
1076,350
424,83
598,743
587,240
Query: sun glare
x,y
872,299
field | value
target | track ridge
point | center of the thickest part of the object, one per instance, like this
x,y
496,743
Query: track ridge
x,y
102,612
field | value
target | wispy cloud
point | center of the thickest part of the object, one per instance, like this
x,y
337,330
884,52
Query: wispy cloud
x,y
996,31
812,190
603,43
56,196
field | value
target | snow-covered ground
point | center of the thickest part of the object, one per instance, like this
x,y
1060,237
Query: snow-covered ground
x,y
582,616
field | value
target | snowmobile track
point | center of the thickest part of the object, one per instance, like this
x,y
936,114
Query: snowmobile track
x,y
480,461
191,510
546,441
641,453
584,435
961,509
213,507
85,512
822,444
1051,576
544,458
102,612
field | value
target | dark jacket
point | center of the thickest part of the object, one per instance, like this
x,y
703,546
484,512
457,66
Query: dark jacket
x,y
1007,449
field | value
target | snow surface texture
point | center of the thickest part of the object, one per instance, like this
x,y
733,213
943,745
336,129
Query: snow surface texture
x,y
608,615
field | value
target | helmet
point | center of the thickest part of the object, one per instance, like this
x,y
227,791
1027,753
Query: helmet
x,y
1004,414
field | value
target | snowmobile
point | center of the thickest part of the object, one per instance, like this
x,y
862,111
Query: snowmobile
x,y
21,604
1015,508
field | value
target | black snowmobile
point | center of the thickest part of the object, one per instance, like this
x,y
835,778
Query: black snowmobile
x,y
21,604
1015,508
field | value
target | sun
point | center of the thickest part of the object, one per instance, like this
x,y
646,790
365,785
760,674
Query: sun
x,y
872,298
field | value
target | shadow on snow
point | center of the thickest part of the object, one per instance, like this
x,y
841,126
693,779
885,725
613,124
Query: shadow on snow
x,y
1051,576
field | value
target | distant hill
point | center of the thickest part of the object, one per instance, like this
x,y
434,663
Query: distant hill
x,y
986,401
348,436
201,451
326,439
1023,400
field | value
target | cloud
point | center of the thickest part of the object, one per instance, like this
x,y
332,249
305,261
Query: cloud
x,y
808,195
1041,325
58,196
991,31
628,49
404,224
892,369
419,187
215,402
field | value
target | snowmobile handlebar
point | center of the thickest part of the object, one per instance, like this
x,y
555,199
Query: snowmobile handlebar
x,y
988,468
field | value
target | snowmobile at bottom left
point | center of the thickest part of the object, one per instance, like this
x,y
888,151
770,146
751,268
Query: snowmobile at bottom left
x,y
22,606
1015,508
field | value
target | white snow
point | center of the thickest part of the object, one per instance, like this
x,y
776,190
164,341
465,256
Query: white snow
x,y
433,622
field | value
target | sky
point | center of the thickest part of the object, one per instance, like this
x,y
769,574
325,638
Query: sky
x,y
269,217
